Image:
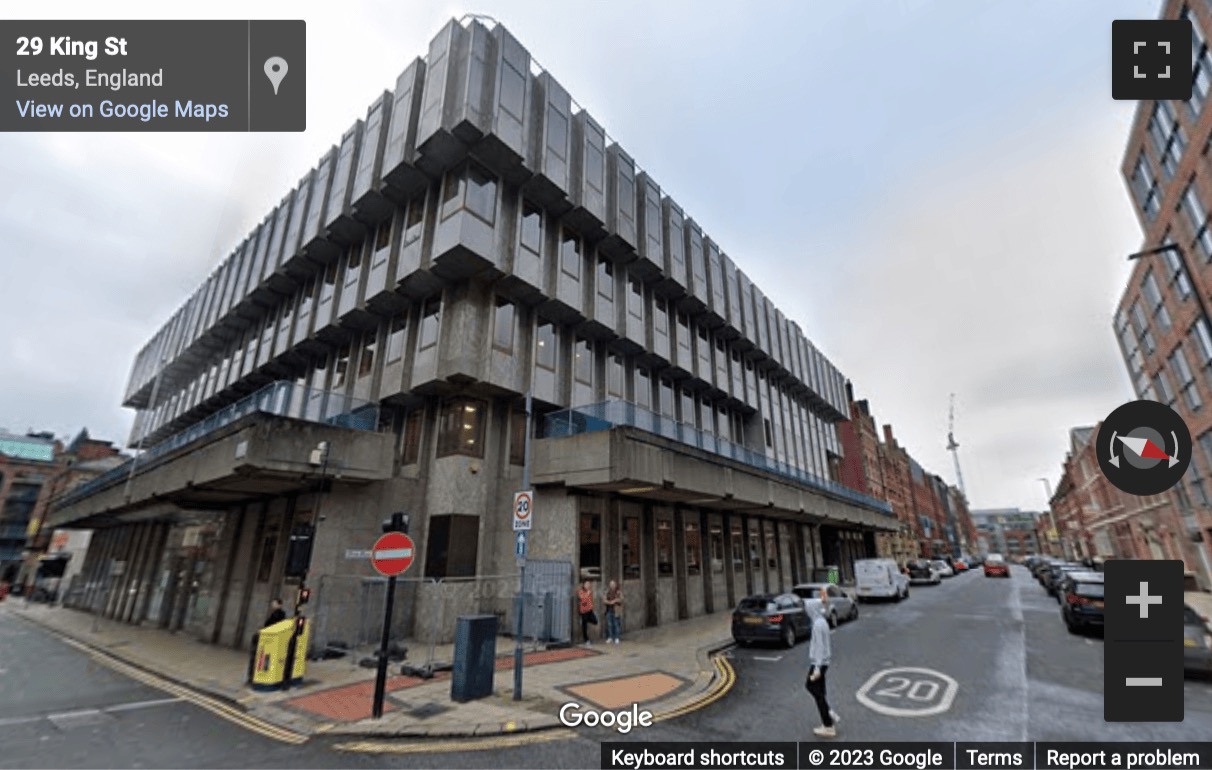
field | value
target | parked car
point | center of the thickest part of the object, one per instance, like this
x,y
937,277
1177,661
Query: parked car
x,y
1196,598
880,579
1082,600
841,606
975,561
1197,642
943,568
959,565
921,573
995,567
770,618
1054,574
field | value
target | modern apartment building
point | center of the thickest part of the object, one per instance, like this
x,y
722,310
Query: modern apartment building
x,y
1162,321
367,349
1008,531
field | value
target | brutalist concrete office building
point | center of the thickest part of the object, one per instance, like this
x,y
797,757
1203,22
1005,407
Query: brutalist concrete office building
x,y
475,237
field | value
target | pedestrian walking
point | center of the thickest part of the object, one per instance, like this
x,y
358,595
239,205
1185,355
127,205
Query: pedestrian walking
x,y
614,612
276,613
819,654
588,616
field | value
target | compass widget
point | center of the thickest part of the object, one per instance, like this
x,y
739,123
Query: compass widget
x,y
1144,448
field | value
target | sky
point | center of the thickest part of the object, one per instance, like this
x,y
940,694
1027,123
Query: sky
x,y
931,190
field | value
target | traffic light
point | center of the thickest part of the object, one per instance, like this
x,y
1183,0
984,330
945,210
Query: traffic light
x,y
397,523
304,596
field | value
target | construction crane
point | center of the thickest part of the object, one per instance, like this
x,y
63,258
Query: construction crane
x,y
953,447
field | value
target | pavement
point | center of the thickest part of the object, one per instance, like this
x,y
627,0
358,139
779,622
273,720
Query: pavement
x,y
670,671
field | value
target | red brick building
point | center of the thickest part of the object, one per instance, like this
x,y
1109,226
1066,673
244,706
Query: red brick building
x,y
1162,322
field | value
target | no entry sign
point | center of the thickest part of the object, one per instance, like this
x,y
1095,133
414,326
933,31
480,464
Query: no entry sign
x,y
392,554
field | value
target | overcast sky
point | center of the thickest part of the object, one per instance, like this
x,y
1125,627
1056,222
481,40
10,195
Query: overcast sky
x,y
930,189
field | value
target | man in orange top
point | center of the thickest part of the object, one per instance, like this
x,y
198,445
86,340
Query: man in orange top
x,y
588,616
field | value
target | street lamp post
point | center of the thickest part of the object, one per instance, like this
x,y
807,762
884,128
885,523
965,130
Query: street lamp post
x,y
1197,536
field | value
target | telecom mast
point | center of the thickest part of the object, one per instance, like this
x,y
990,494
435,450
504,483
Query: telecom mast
x,y
953,447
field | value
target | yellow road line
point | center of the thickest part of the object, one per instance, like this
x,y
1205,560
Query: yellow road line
x,y
471,744
213,705
727,680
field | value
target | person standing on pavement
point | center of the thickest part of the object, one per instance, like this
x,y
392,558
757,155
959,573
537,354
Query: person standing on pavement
x,y
614,612
819,655
588,616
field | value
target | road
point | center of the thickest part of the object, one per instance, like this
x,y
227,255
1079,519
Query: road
x,y
1018,675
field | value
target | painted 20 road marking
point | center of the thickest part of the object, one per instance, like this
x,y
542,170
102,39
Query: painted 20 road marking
x,y
924,691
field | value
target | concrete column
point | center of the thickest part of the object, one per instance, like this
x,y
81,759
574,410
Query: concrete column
x,y
149,583
679,562
612,543
780,569
707,570
137,567
250,572
729,568
746,545
763,562
98,550
648,564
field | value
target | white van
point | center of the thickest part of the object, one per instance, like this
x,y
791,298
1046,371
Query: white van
x,y
880,578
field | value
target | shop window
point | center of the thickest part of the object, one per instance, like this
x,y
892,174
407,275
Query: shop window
x,y
771,553
461,428
631,548
694,549
410,450
452,545
717,549
755,554
591,546
664,548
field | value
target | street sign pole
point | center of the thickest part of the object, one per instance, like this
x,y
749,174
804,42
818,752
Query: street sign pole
x,y
517,638
381,675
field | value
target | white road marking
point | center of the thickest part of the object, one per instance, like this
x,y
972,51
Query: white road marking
x,y
1018,645
760,657
68,716
909,686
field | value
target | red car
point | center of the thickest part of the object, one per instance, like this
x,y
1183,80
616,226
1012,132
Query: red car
x,y
995,567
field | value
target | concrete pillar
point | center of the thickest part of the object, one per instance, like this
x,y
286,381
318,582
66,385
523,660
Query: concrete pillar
x,y
137,569
612,547
648,565
747,555
122,554
679,562
729,563
708,570
153,567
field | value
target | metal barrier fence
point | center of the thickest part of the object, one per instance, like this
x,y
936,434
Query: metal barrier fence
x,y
608,414
348,612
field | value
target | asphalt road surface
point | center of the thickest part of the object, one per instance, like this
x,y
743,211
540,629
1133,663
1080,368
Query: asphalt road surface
x,y
988,659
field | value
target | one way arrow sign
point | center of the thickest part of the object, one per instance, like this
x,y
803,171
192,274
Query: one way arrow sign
x,y
520,544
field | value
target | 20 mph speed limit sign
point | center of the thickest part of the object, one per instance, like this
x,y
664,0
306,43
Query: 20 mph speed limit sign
x,y
523,510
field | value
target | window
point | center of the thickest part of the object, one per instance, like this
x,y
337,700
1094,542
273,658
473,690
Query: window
x,y
330,283
1203,340
340,368
461,428
635,299
591,546
430,322
605,279
664,548
383,236
1153,296
1201,66
717,549
415,220
582,364
631,547
396,335
1144,187
503,325
545,345
471,188
366,364
1168,137
1178,276
684,332
517,435
410,449
1197,217
738,548
570,254
769,434
643,388
615,376
660,318
1142,328
1186,380
531,236
353,264
694,549
450,550
1165,393
667,404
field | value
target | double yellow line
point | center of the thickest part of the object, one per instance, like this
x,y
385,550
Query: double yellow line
x,y
727,678
213,705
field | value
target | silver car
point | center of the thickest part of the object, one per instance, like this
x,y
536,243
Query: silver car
x,y
841,606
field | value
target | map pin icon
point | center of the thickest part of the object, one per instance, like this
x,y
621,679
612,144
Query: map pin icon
x,y
275,70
